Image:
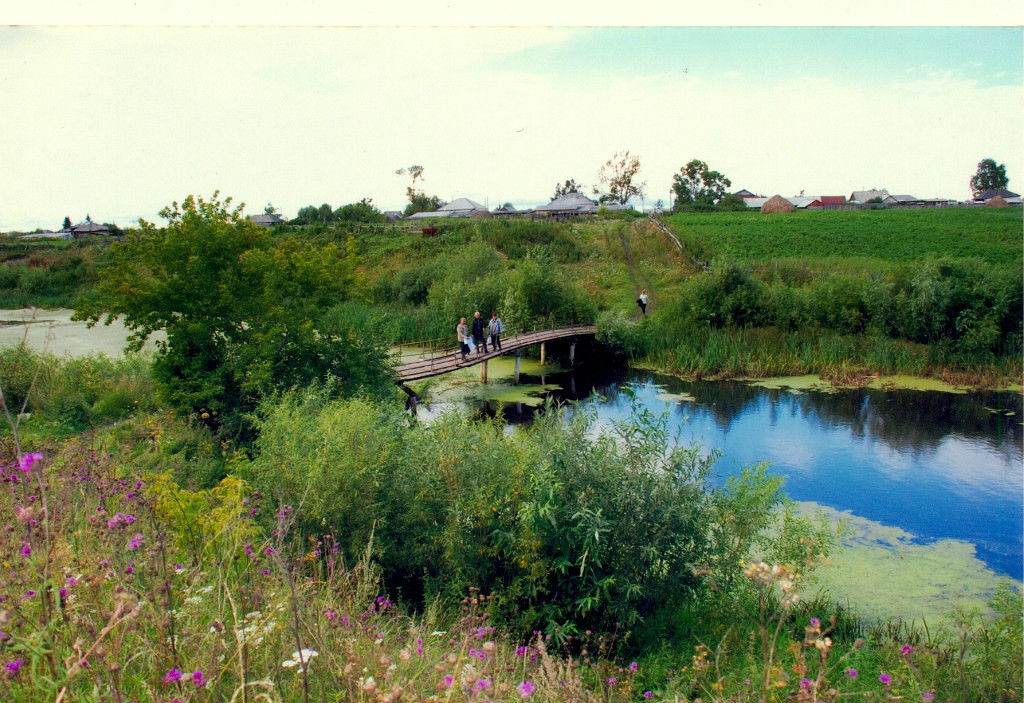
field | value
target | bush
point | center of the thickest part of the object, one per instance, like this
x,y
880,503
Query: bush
x,y
568,526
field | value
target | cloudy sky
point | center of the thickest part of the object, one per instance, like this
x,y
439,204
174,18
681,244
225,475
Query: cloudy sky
x,y
118,121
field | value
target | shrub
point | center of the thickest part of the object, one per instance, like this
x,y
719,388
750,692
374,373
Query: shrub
x,y
568,526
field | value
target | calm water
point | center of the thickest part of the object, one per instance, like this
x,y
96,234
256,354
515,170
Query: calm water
x,y
937,465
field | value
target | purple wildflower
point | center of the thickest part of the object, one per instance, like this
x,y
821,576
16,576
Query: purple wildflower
x,y
633,666
173,676
26,461
648,694
884,678
526,689
197,679
906,649
13,666
851,672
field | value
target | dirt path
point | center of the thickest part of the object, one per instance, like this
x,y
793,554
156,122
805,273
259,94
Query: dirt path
x,y
635,273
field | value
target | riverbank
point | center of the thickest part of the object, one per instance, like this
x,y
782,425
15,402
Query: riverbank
x,y
849,361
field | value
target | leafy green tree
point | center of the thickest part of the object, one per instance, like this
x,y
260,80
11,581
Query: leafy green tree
x,y
570,186
618,177
697,184
421,202
732,203
313,215
990,176
67,223
363,211
242,311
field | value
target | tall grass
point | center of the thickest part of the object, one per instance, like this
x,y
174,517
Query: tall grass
x,y
70,393
121,586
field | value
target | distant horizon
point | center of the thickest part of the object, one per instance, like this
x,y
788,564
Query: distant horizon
x,y
298,116
646,206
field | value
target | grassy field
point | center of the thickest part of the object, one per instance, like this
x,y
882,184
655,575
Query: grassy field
x,y
992,235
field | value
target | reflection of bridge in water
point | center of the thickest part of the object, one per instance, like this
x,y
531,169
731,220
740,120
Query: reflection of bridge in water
x,y
436,362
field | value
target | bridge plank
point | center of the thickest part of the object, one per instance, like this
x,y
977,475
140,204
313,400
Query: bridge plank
x,y
448,361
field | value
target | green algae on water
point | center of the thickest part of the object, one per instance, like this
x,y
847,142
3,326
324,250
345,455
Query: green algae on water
x,y
913,383
881,572
793,384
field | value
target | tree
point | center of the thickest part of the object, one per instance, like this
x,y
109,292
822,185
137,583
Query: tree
x,y
270,209
421,202
989,177
418,200
697,184
570,186
415,172
363,211
67,223
617,176
243,312
313,215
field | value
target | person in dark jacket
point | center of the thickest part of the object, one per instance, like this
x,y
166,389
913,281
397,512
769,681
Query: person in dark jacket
x,y
478,333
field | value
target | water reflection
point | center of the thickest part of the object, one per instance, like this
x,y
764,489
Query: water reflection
x,y
938,465
935,464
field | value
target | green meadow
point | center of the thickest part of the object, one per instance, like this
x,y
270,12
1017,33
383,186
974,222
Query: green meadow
x,y
245,513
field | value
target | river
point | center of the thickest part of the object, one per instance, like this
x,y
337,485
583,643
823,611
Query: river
x,y
929,484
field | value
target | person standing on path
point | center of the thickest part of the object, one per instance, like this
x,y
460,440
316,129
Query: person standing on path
x,y
642,301
494,329
478,333
461,332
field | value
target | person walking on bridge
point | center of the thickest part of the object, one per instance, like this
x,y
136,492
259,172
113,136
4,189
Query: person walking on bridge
x,y
494,329
461,332
478,333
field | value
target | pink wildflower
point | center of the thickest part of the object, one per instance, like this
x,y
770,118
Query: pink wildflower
x,y
26,461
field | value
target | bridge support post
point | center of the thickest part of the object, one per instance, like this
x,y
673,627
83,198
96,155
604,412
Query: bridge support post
x,y
483,372
542,353
519,358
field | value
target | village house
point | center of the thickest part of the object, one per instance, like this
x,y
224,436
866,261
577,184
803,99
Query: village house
x,y
460,207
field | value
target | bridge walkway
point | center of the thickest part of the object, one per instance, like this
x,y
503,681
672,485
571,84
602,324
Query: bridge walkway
x,y
450,359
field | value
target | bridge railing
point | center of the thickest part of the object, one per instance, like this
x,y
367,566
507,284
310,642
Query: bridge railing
x,y
441,346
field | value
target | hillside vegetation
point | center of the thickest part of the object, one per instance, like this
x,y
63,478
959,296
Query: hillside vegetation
x,y
253,518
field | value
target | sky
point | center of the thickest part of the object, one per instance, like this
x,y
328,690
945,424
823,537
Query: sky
x,y
116,118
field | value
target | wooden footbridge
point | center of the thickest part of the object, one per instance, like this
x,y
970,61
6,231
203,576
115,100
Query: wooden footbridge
x,y
434,362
